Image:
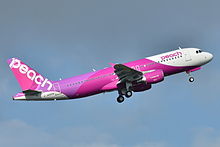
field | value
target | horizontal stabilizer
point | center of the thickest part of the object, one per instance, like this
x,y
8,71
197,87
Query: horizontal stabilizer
x,y
31,92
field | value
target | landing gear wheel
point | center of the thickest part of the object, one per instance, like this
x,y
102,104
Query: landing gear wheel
x,y
191,79
128,94
120,99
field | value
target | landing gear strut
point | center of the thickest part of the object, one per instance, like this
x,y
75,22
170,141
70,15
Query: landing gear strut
x,y
191,79
124,90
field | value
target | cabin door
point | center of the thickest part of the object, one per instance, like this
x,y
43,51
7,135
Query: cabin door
x,y
187,56
56,87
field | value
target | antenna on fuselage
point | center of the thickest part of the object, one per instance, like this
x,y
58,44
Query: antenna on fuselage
x,y
93,70
179,48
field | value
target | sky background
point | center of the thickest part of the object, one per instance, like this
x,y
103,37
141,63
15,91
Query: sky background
x,y
65,38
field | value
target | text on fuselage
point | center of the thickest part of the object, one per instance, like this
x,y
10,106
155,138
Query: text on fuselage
x,y
171,55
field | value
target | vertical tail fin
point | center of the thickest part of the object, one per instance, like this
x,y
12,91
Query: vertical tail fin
x,y
28,78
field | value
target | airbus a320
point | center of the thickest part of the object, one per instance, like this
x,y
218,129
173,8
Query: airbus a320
x,y
135,76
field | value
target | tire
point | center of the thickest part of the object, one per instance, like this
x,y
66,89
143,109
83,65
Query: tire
x,y
191,79
128,94
120,99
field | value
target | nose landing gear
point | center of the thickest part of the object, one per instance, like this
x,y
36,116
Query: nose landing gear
x,y
191,79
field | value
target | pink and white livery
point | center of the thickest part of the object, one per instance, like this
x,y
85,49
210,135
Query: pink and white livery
x,y
126,78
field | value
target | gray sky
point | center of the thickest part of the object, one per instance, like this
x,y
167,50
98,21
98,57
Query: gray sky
x,y
65,38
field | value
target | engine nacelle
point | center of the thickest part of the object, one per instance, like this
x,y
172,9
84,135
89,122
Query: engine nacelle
x,y
148,79
154,77
141,87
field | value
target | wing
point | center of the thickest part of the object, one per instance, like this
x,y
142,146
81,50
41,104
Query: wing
x,y
127,74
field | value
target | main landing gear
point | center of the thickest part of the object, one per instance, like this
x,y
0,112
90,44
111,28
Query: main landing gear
x,y
121,98
124,90
128,94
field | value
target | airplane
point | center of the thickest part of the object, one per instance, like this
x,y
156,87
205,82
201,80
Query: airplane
x,y
135,76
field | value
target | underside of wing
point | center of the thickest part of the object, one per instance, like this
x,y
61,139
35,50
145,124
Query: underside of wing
x,y
127,74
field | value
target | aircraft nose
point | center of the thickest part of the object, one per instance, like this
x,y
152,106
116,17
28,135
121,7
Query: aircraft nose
x,y
209,56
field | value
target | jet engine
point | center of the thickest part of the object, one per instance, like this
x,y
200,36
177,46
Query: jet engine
x,y
153,77
141,87
148,79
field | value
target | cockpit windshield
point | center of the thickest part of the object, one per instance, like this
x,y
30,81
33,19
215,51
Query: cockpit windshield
x,y
198,51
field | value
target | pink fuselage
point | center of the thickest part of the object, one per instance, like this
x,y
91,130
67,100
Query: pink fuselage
x,y
133,76
105,80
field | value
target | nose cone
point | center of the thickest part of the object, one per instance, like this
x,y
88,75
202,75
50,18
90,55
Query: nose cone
x,y
208,57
